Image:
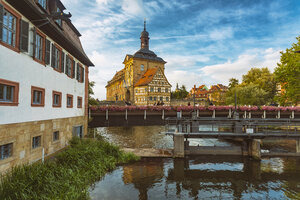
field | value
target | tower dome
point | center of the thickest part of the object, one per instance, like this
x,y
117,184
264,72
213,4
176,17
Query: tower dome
x,y
144,38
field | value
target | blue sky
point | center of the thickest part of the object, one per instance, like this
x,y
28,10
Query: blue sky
x,y
203,41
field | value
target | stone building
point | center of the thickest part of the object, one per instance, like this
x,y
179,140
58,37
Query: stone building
x,y
43,81
142,81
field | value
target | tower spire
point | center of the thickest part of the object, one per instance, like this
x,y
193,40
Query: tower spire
x,y
144,37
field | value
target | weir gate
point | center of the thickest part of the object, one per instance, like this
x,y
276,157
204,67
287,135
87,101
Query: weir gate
x,y
248,131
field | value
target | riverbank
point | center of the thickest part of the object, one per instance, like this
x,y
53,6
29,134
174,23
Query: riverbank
x,y
68,175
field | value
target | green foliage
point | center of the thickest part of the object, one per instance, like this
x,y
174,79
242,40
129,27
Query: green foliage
x,y
263,79
68,176
249,94
232,83
92,101
180,93
287,73
257,88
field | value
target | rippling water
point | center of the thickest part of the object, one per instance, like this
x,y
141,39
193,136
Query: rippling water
x,y
202,177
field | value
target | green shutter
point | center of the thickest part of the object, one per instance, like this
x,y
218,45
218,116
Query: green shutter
x,y
53,56
77,72
1,20
62,62
82,74
47,55
33,42
67,64
24,31
73,68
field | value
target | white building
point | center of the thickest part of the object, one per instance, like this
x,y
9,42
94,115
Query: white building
x,y
43,81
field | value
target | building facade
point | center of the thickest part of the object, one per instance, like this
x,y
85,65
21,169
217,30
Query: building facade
x,y
142,81
43,81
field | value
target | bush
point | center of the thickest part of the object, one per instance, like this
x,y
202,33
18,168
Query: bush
x,y
67,176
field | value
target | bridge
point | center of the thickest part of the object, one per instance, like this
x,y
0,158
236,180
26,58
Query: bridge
x,y
105,116
249,131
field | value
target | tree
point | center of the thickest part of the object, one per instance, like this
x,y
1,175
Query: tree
x,y
181,93
92,101
287,73
264,80
232,83
249,94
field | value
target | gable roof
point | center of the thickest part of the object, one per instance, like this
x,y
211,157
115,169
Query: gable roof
x,y
147,77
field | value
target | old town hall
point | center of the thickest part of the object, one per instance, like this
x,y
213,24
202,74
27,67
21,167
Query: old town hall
x,y
142,81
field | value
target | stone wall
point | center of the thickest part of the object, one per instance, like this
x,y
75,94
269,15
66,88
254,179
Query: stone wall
x,y
21,134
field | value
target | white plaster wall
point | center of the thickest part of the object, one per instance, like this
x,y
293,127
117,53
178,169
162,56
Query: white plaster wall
x,y
21,68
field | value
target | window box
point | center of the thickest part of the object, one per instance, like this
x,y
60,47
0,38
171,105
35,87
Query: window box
x,y
37,96
9,93
69,101
79,102
56,99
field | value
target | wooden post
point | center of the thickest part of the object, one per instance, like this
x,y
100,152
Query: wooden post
x,y
197,113
254,149
298,146
145,114
264,116
278,116
229,113
163,114
293,115
126,114
214,114
250,115
245,114
106,115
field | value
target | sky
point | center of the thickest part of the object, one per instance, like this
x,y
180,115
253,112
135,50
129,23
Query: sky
x,y
202,41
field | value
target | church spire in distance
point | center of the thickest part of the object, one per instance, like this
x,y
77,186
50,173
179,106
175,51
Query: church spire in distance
x,y
144,38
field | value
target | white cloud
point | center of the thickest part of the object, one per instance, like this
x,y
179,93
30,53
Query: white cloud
x,y
221,73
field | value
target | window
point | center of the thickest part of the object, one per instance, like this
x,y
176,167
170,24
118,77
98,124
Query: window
x,y
55,135
158,89
6,151
36,142
39,43
79,101
56,99
167,98
69,101
9,28
150,98
151,89
58,21
142,67
167,90
80,73
136,91
37,96
43,3
9,93
154,98
161,98
56,58
78,131
69,66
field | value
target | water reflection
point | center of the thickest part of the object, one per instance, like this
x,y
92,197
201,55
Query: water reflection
x,y
203,178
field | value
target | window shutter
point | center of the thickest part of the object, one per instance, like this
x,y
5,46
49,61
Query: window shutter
x,y
47,55
82,74
33,41
62,62
67,64
24,31
77,74
73,68
1,20
53,56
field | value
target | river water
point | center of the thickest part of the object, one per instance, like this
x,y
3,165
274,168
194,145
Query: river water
x,y
202,177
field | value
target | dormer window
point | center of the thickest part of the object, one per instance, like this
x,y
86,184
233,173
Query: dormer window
x,y
43,3
142,67
58,21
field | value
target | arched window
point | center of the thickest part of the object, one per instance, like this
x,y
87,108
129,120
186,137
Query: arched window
x,y
142,67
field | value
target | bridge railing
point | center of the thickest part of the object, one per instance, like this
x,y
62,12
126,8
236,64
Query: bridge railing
x,y
225,125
